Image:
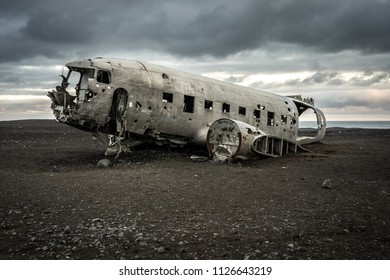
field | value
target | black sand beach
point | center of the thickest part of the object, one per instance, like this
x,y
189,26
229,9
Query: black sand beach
x,y
158,204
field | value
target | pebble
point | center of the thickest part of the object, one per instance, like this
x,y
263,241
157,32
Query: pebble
x,y
161,250
327,184
104,163
67,229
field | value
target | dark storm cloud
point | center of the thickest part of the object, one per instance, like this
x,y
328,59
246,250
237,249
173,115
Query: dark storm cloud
x,y
192,28
322,77
371,78
342,100
331,78
21,80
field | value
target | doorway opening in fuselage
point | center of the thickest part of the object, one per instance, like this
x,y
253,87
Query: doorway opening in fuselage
x,y
308,125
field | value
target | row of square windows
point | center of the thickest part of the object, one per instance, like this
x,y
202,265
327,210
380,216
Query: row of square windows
x,y
189,103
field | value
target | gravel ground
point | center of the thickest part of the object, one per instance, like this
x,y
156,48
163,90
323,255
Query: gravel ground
x,y
55,203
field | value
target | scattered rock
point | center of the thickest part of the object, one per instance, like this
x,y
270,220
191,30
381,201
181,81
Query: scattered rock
x,y
327,184
67,229
161,250
104,163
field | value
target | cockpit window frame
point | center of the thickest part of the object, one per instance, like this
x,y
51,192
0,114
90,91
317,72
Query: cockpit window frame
x,y
103,76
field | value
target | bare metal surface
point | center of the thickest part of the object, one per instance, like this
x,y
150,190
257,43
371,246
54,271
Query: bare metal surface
x,y
136,102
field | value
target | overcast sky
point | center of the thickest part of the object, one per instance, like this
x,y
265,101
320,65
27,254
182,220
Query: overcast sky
x,y
336,51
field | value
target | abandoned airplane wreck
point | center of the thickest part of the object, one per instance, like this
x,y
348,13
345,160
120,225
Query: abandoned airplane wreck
x,y
134,102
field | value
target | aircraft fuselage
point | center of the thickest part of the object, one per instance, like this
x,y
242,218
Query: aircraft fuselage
x,y
133,99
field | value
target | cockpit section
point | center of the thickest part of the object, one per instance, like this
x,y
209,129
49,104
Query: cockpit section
x,y
84,97
77,80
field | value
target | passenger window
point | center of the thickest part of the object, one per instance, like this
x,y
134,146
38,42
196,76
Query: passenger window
x,y
256,114
189,103
242,110
103,77
167,97
270,118
208,104
225,108
284,119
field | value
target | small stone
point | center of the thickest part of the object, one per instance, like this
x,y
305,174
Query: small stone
x,y
104,163
327,184
161,250
33,239
45,248
67,229
301,249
